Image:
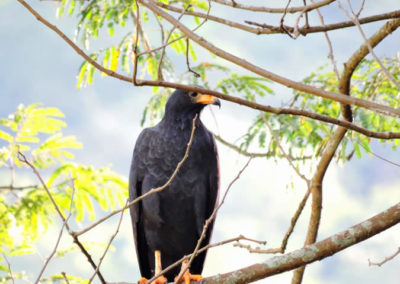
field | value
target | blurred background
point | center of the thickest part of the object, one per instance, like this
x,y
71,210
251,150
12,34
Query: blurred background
x,y
36,65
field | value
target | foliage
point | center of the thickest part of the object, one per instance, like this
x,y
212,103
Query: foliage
x,y
309,137
25,208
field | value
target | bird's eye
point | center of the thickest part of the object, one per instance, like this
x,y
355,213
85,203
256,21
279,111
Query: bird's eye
x,y
193,94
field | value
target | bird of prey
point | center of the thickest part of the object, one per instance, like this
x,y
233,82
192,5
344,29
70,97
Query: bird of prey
x,y
168,224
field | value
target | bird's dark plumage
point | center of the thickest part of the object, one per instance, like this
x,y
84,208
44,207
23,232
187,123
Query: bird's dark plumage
x,y
171,221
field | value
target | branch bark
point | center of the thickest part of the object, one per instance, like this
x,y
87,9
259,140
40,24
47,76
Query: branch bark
x,y
240,101
272,76
314,252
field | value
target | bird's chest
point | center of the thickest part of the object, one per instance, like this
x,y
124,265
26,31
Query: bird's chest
x,y
167,151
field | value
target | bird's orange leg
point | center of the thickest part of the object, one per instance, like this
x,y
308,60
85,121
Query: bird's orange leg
x,y
187,277
158,269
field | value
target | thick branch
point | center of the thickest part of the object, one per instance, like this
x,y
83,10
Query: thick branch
x,y
267,74
381,135
314,252
269,29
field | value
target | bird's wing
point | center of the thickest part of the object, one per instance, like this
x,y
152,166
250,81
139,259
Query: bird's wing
x,y
135,190
211,200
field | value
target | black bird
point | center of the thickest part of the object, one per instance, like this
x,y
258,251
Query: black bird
x,y
170,222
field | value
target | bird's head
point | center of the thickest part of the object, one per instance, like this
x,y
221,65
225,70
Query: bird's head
x,y
189,102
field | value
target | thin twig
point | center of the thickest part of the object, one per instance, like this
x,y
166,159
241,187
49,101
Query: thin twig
x,y
281,26
274,10
379,156
176,263
11,187
9,267
370,263
197,75
150,192
288,158
108,245
253,154
209,220
159,68
355,20
328,40
65,277
75,238
59,236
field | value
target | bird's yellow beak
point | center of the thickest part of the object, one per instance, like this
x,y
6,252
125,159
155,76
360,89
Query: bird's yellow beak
x,y
207,99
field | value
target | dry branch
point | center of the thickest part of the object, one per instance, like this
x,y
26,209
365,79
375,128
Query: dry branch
x,y
274,10
210,219
386,259
75,238
59,236
269,29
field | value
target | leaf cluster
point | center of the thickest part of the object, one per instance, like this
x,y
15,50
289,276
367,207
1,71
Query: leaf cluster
x,y
26,211
309,137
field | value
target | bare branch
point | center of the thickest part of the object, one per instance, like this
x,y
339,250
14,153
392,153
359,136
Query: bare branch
x,y
150,192
269,75
274,10
369,45
75,238
108,246
288,158
59,236
314,252
159,69
176,263
209,220
65,277
385,260
255,155
12,187
269,29
379,156
328,40
9,267
352,101
197,75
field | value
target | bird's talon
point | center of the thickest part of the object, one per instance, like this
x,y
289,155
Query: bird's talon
x,y
187,277
159,280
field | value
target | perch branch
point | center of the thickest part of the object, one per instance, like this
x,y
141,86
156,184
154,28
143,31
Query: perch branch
x,y
311,253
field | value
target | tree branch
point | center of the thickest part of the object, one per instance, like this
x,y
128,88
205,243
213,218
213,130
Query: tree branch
x,y
9,267
209,220
59,236
385,260
314,252
240,101
269,29
274,10
152,191
75,238
150,4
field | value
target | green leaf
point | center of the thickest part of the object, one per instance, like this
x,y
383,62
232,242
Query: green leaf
x,y
5,136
